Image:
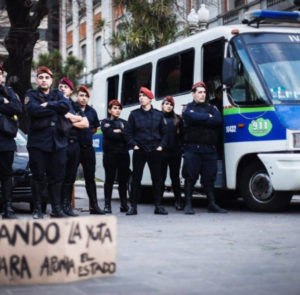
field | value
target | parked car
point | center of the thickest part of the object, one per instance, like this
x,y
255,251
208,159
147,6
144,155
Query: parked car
x,y
22,174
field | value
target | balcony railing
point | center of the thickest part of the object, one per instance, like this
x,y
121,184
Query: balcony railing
x,y
274,2
231,17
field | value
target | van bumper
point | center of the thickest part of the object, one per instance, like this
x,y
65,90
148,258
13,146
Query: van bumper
x,y
283,169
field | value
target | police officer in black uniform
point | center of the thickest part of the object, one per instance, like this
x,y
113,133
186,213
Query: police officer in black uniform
x,y
200,155
146,133
10,106
171,155
87,152
79,121
115,155
46,141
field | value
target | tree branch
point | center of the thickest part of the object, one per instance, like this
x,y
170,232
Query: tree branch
x,y
40,10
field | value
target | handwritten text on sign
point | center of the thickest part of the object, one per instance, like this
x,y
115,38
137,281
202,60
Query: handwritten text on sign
x,y
57,250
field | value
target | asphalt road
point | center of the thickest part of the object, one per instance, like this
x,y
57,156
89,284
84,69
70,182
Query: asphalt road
x,y
236,253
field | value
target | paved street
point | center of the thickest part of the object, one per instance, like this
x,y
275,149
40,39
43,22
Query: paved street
x,y
237,253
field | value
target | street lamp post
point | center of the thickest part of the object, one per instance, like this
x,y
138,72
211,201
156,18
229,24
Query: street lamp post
x,y
198,21
193,21
203,17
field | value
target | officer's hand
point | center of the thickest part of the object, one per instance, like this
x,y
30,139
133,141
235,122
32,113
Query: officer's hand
x,y
5,100
117,130
159,149
44,104
136,148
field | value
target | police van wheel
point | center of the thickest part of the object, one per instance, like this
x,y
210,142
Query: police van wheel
x,y
257,190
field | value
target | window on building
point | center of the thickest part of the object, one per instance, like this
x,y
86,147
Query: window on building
x,y
98,52
133,80
175,74
83,53
238,3
96,2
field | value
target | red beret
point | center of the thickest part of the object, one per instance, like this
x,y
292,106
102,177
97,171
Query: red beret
x,y
199,84
169,99
83,88
147,92
115,102
66,81
43,69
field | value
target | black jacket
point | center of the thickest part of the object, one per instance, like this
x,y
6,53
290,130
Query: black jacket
x,y
75,109
174,132
14,107
201,123
146,129
85,136
43,133
114,142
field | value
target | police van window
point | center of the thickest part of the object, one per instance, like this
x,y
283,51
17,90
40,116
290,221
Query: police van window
x,y
132,81
112,88
175,74
247,90
213,53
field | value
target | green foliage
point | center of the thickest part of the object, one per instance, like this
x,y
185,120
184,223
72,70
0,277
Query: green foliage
x,y
71,68
147,25
101,24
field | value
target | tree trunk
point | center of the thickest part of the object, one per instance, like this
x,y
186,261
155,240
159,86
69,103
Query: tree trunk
x,y
25,17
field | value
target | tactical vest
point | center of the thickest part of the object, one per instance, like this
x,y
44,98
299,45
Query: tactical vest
x,y
200,134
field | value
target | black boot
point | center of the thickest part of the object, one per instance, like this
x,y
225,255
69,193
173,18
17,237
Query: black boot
x,y
212,206
178,203
132,210
188,191
55,195
66,196
107,197
133,200
158,195
177,194
37,188
92,194
123,197
8,212
160,210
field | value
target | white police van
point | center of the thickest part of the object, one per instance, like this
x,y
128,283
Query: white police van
x,y
258,65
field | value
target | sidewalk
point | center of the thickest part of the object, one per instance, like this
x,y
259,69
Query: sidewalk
x,y
82,183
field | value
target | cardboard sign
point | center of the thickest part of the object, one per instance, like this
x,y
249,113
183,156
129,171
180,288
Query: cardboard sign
x,y
57,250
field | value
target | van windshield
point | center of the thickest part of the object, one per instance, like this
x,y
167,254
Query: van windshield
x,y
279,65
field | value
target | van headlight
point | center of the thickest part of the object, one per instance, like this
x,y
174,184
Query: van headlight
x,y
296,139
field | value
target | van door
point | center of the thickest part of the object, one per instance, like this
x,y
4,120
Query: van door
x,y
213,54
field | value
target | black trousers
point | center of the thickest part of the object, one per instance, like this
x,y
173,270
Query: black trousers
x,y
88,162
173,161
6,161
52,164
73,158
116,163
153,159
204,164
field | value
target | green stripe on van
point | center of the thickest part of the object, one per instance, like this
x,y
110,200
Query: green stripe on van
x,y
235,110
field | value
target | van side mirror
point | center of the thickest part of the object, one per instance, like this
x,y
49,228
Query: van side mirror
x,y
229,71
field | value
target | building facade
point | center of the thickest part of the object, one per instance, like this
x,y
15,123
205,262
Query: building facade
x,y
86,26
